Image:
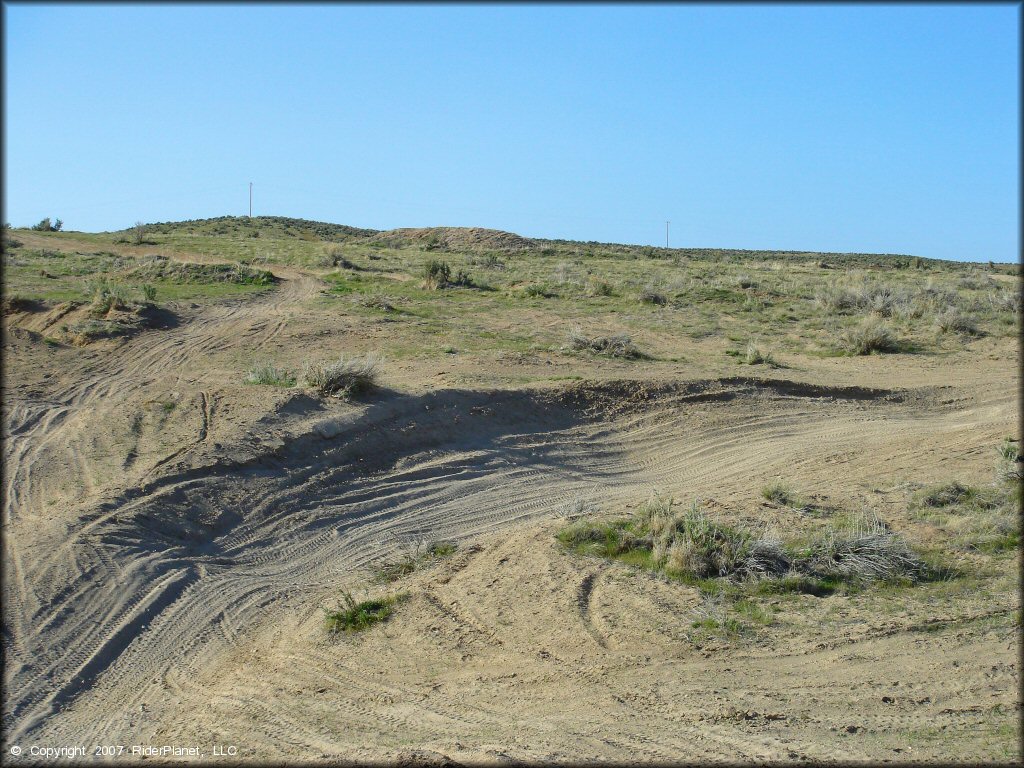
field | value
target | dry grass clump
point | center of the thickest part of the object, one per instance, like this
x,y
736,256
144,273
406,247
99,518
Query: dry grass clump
x,y
691,543
947,495
619,345
779,492
268,373
576,508
650,295
348,376
374,301
952,320
1010,468
598,287
1006,301
412,556
755,356
870,336
746,282
864,553
537,291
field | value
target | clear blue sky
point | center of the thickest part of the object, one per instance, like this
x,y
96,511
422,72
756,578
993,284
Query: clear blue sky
x,y
835,128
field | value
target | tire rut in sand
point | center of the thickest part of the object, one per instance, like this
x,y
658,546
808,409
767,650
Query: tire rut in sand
x,y
312,513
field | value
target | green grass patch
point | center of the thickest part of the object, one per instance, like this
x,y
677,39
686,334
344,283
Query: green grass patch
x,y
271,375
352,616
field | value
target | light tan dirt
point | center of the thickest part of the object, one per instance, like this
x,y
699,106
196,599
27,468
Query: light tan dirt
x,y
166,569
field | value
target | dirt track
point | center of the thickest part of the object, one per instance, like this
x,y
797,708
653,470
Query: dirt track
x,y
166,574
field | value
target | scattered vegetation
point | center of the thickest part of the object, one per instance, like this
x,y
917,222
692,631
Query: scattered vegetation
x,y
784,300
978,518
692,547
346,377
161,268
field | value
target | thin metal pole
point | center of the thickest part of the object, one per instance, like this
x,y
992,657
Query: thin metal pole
x,y
666,233
250,199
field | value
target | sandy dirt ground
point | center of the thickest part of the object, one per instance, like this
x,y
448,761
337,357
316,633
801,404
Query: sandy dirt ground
x,y
167,567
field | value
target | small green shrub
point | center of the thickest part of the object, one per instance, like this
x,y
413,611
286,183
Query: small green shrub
x,y
536,291
1010,468
46,226
462,279
335,257
596,287
107,296
354,616
148,292
779,491
436,274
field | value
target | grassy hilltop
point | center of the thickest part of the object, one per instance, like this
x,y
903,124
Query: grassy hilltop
x,y
453,282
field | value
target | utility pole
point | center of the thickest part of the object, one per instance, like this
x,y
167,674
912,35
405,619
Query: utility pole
x,y
250,199
666,233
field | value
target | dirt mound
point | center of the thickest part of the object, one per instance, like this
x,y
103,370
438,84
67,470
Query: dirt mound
x,y
455,238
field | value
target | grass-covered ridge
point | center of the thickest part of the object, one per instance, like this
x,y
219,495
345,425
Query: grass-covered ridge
x,y
265,226
757,307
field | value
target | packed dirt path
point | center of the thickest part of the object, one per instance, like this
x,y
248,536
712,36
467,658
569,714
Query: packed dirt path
x,y
167,567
